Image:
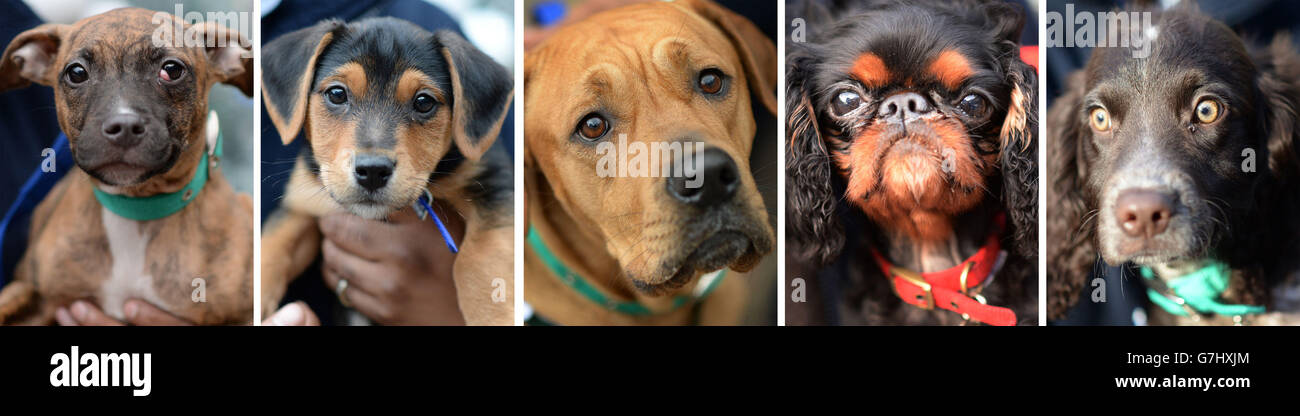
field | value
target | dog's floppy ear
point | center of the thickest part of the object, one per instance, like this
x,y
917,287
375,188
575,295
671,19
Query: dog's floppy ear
x,y
1005,24
1019,133
1019,153
288,70
1279,84
31,57
230,56
810,198
481,94
757,52
1070,244
1019,162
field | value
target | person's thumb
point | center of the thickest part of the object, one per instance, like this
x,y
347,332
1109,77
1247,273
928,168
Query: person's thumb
x,y
293,314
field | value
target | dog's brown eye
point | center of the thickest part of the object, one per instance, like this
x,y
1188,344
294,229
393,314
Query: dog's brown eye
x,y
845,102
77,74
171,71
710,81
423,103
973,105
593,127
337,95
1207,111
1100,119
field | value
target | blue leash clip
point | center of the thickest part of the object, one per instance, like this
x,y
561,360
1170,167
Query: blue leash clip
x,y
424,211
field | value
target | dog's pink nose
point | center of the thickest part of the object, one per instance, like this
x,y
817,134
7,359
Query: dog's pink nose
x,y
1143,213
124,130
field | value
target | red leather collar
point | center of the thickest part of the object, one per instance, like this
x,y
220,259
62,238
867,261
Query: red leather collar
x,y
956,288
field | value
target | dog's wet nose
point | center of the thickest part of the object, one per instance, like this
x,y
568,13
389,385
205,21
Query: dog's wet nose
x,y
124,130
907,105
715,181
1143,213
372,171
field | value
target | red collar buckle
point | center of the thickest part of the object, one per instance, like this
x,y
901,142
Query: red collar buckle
x,y
924,298
955,289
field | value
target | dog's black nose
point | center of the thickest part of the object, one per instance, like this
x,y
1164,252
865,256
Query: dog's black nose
x,y
372,171
1143,213
124,130
714,182
905,105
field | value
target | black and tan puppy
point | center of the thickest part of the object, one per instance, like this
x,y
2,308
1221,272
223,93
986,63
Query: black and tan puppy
x,y
392,111
912,161
1183,164
135,111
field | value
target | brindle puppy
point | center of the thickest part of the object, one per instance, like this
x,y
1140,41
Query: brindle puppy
x,y
136,115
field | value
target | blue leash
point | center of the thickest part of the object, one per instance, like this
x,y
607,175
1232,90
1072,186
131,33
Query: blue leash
x,y
446,236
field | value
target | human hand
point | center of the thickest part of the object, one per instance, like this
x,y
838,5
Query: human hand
x,y
398,272
293,314
136,312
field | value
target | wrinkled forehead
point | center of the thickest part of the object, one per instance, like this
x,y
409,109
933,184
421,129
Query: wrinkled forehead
x,y
632,46
646,23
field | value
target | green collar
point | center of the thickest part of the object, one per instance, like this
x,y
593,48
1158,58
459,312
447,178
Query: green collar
x,y
1197,291
708,282
162,205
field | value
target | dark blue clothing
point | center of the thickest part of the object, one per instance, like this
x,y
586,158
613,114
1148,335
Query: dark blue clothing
x,y
29,124
16,222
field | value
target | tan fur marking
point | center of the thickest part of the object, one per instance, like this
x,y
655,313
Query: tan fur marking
x,y
333,142
413,81
352,76
870,70
951,69
1017,118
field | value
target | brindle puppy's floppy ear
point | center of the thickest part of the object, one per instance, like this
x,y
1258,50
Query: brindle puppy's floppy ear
x,y
31,57
1071,252
481,93
757,52
228,58
288,70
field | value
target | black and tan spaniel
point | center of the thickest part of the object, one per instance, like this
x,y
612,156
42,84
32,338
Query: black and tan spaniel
x,y
912,173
